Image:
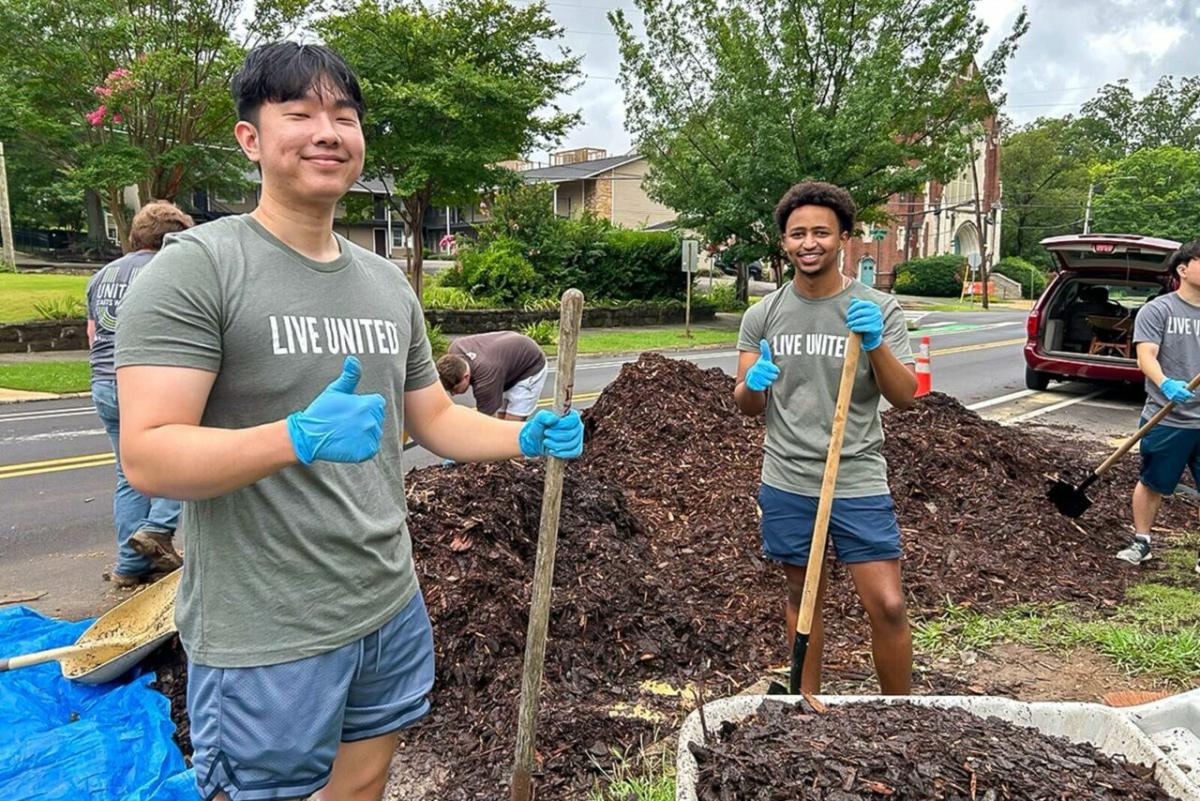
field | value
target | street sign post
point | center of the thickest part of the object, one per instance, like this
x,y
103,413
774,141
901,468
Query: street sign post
x,y
690,254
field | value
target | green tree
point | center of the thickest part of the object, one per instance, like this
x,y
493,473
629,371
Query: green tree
x,y
451,91
733,102
118,94
1044,167
1118,123
1161,196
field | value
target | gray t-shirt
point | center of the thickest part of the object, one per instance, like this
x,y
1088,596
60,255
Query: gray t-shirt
x,y
315,556
104,293
1174,325
808,342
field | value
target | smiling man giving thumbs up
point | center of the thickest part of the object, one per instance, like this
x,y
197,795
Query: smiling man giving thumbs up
x,y
792,347
266,369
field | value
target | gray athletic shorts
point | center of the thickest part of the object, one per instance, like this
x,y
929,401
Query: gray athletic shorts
x,y
272,732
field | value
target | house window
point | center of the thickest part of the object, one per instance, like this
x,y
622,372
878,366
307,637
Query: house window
x,y
399,241
199,200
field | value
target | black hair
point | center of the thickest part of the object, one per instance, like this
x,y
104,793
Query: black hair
x,y
816,193
1186,252
283,71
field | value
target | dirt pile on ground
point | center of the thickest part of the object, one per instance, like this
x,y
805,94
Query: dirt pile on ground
x,y
899,752
659,583
977,526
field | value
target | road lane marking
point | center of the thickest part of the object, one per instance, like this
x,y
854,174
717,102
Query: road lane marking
x,y
1025,393
46,414
56,465
23,469
1054,407
1003,343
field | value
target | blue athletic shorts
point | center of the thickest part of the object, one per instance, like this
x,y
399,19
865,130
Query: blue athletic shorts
x,y
1166,452
272,732
862,529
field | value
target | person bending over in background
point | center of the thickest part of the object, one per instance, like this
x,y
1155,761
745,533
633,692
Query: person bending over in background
x,y
504,370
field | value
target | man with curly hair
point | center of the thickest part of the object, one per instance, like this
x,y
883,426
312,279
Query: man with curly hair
x,y
792,347
145,525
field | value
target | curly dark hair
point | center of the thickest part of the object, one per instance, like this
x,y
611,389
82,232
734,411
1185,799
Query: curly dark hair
x,y
1186,252
817,193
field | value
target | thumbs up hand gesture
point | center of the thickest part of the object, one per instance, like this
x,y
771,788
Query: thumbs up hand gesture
x,y
339,426
763,372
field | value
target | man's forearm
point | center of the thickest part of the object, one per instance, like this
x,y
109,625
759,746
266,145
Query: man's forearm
x,y
749,402
190,463
465,435
896,381
1151,368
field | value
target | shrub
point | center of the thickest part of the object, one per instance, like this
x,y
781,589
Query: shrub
x,y
450,297
66,307
724,298
543,332
439,343
935,276
1025,273
500,272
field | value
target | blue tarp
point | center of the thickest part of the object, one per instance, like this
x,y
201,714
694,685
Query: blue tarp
x,y
64,741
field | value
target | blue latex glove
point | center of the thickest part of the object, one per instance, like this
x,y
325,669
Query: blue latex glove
x,y
1177,391
339,426
763,372
547,434
866,318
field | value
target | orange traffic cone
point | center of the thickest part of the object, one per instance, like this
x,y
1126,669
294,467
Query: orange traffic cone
x,y
924,377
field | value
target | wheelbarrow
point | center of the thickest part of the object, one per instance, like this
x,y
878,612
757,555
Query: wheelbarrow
x,y
1163,735
117,641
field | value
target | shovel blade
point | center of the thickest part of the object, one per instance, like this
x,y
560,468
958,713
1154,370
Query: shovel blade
x,y
799,651
1068,499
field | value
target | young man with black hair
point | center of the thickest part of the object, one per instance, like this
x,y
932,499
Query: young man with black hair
x,y
1166,334
308,642
792,345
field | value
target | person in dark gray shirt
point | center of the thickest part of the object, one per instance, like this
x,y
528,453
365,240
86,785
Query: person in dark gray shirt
x,y
505,370
1167,337
145,526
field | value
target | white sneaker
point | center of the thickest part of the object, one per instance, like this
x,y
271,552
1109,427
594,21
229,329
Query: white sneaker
x,y
1137,552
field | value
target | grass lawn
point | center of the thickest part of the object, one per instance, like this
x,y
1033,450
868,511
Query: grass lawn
x,y
20,291
655,339
995,304
73,376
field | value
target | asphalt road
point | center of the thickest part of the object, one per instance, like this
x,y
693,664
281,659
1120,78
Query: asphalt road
x,y
56,474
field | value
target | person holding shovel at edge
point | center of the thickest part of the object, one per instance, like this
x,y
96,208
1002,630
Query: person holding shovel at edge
x,y
266,369
791,344
1166,334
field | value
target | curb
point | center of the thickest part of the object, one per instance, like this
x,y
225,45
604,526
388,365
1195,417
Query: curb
x,y
10,396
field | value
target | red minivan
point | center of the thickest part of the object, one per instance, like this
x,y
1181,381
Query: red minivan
x,y
1082,325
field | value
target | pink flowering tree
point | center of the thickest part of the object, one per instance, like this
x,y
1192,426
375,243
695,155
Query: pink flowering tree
x,y
130,96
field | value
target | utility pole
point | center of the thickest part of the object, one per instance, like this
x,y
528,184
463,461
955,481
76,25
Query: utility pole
x,y
1087,212
8,259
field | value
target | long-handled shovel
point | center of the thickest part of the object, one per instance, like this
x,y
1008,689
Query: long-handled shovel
x,y
117,640
1071,500
570,316
816,553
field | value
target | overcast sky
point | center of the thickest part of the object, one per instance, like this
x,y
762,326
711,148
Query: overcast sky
x,y
1072,48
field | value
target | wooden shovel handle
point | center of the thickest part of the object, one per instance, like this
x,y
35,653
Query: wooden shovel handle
x,y
833,459
570,319
51,654
1128,444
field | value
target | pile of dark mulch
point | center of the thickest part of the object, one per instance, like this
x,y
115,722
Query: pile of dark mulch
x,y
971,499
898,752
170,664
659,576
621,616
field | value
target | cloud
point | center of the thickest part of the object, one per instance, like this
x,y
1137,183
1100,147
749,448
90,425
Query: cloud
x,y
1073,47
